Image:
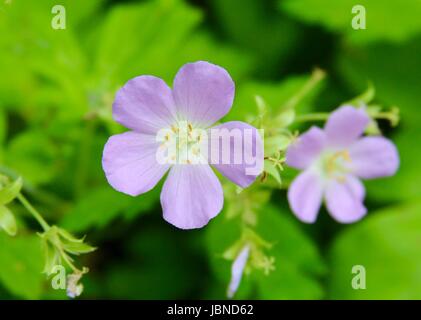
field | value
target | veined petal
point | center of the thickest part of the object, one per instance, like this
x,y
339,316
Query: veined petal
x,y
374,157
144,104
344,201
237,270
356,186
305,150
191,196
345,125
236,150
305,196
203,93
129,163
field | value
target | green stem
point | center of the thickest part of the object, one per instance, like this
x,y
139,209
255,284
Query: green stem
x,y
387,115
317,76
319,116
322,116
33,211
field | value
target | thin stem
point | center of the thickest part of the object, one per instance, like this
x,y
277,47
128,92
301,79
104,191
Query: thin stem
x,y
387,115
322,116
33,211
318,116
317,76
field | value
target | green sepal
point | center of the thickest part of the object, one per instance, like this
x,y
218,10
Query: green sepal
x,y
7,221
10,191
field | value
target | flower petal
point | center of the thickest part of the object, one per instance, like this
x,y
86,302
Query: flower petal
x,y
237,270
191,196
129,163
308,146
374,157
144,104
305,196
203,93
345,125
241,145
356,186
344,201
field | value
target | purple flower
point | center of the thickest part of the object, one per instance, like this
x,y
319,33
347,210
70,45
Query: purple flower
x,y
334,160
202,94
237,270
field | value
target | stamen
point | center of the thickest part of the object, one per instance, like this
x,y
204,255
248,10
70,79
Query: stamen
x,y
336,167
182,142
174,129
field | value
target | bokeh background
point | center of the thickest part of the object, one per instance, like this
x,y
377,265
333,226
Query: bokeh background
x,y
56,91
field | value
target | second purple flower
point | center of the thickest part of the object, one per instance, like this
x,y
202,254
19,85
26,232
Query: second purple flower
x,y
334,160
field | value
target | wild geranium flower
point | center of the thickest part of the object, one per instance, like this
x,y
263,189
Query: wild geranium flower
x,y
334,160
168,131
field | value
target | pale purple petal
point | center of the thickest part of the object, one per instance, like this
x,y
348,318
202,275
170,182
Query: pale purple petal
x,y
241,145
305,196
237,270
356,186
344,201
374,157
345,125
144,104
191,196
129,163
304,151
203,93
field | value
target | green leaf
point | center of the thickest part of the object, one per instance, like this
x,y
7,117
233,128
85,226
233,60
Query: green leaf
x,y
11,191
387,245
46,66
273,171
258,28
3,127
33,156
396,83
100,206
148,255
276,143
285,118
77,247
67,236
7,221
297,261
151,31
395,22
22,262
51,256
160,37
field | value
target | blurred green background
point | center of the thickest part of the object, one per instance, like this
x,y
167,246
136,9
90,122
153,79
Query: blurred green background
x,y
56,91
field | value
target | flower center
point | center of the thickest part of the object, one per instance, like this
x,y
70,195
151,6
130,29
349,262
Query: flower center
x,y
336,165
181,144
